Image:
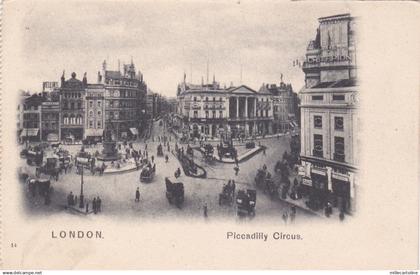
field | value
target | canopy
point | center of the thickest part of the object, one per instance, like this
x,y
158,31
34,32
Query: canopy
x,y
52,137
134,131
29,132
94,132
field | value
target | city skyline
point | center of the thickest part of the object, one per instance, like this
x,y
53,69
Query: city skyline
x,y
163,50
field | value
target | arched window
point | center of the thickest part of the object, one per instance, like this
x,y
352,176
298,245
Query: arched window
x,y
90,113
65,119
79,120
72,119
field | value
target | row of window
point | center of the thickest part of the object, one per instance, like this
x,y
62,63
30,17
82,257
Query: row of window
x,y
98,104
318,151
71,105
98,124
99,113
121,93
121,104
72,120
334,97
72,95
338,123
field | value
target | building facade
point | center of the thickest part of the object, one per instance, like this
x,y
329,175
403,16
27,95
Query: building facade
x,y
50,120
285,106
125,100
31,118
329,120
94,111
72,104
211,111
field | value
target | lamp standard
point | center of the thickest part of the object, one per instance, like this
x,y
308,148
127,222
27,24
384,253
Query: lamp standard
x,y
81,198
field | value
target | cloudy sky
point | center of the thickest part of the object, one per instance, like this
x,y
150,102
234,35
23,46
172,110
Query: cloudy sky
x,y
167,38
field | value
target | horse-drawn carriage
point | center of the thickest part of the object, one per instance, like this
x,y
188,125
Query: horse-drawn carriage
x,y
33,156
208,152
51,168
264,181
42,185
227,195
174,192
147,173
160,150
84,159
226,150
246,201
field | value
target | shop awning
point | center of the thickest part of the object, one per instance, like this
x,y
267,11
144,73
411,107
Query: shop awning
x,y
94,132
134,131
52,137
29,132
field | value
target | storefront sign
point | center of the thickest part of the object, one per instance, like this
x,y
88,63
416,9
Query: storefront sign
x,y
340,177
319,172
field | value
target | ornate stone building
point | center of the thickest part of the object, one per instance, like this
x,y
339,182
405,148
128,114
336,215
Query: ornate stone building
x,y
94,111
329,120
72,94
125,100
285,106
212,111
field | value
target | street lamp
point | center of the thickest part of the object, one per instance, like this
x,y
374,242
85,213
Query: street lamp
x,y
81,198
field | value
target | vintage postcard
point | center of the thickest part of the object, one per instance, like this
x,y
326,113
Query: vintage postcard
x,y
209,135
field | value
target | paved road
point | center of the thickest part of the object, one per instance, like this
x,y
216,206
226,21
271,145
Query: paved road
x,y
117,191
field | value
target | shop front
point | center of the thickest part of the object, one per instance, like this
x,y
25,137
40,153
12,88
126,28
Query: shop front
x,y
319,193
341,191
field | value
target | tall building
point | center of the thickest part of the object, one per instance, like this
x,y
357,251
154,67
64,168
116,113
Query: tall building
x,y
72,96
285,106
94,111
209,110
329,121
31,118
125,100
50,120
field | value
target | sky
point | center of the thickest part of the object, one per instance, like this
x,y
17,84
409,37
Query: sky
x,y
166,39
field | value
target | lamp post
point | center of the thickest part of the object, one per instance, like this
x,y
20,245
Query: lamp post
x,y
81,198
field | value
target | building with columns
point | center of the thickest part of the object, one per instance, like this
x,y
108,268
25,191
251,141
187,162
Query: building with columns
x,y
212,111
329,119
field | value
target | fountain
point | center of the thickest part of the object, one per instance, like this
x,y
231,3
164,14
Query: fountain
x,y
109,151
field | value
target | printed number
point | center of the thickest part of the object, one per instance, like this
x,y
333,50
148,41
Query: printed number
x,y
13,245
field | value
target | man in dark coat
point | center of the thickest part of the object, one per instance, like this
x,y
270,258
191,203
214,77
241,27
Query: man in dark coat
x,y
137,195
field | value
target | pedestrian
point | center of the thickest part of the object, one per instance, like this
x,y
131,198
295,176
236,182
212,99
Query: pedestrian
x,y
264,150
292,214
94,206
145,146
341,216
236,168
166,158
285,217
75,200
87,207
98,202
137,195
153,158
205,210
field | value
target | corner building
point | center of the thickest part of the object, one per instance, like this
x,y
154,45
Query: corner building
x,y
329,119
212,111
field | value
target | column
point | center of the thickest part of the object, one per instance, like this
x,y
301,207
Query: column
x,y
237,107
246,107
255,107
329,170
